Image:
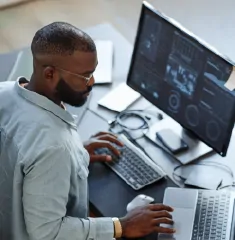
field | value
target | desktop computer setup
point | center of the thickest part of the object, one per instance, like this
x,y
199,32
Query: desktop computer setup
x,y
183,77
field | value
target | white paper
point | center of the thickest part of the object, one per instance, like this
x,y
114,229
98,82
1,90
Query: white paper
x,y
103,72
119,98
230,84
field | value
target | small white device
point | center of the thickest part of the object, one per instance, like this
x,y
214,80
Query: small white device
x,y
138,201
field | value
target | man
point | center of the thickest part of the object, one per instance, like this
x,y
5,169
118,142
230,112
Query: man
x,y
43,164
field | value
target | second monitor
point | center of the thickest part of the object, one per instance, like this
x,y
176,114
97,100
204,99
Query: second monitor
x,y
184,78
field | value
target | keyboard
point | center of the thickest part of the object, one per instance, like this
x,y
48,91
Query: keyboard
x,y
133,166
211,216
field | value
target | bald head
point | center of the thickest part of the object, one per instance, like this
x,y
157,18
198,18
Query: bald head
x,y
60,38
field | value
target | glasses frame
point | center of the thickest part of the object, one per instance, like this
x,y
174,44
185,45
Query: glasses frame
x,y
87,79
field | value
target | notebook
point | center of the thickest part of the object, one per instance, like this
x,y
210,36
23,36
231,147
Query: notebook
x,y
103,72
119,98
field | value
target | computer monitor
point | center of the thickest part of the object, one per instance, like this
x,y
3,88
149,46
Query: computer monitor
x,y
184,77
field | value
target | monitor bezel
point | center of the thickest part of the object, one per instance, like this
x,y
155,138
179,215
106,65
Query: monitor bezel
x,y
147,7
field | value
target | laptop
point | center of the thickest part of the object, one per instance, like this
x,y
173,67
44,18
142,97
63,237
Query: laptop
x,y
200,214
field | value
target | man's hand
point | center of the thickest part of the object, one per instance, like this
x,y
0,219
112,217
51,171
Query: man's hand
x,y
145,220
102,140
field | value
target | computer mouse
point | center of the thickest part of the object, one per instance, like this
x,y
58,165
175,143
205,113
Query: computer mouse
x,y
140,200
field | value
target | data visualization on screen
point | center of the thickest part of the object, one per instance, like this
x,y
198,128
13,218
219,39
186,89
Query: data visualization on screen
x,y
183,78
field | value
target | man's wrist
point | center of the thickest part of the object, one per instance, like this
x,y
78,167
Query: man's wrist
x,y
117,228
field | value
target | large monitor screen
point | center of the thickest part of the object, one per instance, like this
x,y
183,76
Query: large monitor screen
x,y
184,78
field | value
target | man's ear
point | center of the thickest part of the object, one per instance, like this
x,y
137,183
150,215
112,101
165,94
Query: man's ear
x,y
51,77
49,73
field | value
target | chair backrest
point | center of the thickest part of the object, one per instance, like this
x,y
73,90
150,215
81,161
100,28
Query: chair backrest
x,y
23,65
6,186
7,62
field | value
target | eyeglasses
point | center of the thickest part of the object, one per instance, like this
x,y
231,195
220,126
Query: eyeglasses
x,y
75,74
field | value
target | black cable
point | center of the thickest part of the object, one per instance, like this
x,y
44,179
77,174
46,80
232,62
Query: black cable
x,y
143,115
219,165
127,114
124,115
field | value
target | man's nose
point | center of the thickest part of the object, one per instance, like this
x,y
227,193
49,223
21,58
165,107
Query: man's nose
x,y
91,82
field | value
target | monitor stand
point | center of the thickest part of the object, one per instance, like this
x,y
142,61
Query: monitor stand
x,y
196,148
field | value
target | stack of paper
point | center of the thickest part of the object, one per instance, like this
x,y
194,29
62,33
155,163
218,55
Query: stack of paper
x,y
119,98
103,72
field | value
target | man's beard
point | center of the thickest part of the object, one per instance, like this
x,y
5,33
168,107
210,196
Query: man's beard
x,y
67,95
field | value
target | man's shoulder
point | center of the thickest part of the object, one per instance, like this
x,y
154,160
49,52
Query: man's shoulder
x,y
6,86
8,96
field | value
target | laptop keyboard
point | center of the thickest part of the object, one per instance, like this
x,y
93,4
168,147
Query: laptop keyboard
x,y
211,216
133,166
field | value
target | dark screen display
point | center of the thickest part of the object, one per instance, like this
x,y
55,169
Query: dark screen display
x,y
184,79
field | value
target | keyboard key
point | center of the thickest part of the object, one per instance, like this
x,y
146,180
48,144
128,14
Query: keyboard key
x,y
131,180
